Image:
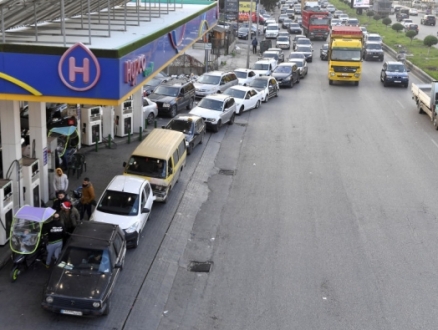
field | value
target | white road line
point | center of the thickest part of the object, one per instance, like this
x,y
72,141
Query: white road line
x,y
400,104
433,141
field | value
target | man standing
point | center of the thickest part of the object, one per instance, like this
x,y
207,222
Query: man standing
x,y
254,45
69,216
88,198
55,234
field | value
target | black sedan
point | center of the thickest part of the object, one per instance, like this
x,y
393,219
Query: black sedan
x,y
287,74
193,128
243,32
306,50
84,276
294,28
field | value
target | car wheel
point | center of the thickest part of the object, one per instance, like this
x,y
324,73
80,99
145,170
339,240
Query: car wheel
x,y
356,83
240,111
435,123
190,105
381,78
190,149
150,118
108,307
420,111
201,141
385,84
406,85
257,105
267,98
137,241
231,121
291,85
330,82
217,126
276,93
173,111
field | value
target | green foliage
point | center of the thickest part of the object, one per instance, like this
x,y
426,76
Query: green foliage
x,y
377,17
268,4
429,41
386,21
411,34
370,13
397,27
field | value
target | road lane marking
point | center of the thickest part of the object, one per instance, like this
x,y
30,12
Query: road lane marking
x,y
433,141
400,104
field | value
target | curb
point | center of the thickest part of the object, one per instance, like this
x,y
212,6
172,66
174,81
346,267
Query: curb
x,y
413,68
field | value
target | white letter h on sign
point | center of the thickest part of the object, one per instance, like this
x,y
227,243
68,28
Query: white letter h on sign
x,y
73,69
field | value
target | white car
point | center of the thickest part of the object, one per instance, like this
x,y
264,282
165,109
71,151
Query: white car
x,y
150,110
413,12
405,22
264,67
216,109
283,42
272,31
344,18
245,76
246,98
126,202
335,22
364,30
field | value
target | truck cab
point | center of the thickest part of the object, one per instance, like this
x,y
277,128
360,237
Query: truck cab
x,y
345,54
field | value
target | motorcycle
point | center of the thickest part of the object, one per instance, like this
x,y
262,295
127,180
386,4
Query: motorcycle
x,y
75,197
25,239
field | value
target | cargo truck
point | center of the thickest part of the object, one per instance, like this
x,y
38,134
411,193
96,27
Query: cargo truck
x,y
315,22
345,54
425,97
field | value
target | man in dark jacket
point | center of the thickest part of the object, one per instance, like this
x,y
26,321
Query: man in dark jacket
x,y
61,197
55,233
254,45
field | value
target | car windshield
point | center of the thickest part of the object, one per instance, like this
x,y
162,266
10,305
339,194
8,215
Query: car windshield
x,y
259,83
25,235
283,69
147,166
304,49
270,55
239,94
285,39
298,63
296,55
153,82
374,38
304,42
209,79
274,27
294,25
374,47
324,47
396,68
183,126
243,30
348,55
261,66
241,74
210,104
167,90
85,259
319,21
118,202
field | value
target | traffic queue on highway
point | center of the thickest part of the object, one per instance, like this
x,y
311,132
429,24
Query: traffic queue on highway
x,y
196,105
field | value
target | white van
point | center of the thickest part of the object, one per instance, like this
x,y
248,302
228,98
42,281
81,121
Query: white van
x,y
272,31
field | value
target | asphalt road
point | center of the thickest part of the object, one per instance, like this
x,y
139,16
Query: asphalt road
x,y
324,218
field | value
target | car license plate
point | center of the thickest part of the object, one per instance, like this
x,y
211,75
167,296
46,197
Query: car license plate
x,y
65,311
345,75
376,56
397,81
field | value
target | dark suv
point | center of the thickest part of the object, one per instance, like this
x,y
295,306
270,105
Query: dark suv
x,y
373,51
84,276
394,73
173,96
400,16
428,20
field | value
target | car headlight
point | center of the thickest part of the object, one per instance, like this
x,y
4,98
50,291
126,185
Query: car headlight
x,y
332,74
287,78
49,299
357,75
131,229
166,105
96,304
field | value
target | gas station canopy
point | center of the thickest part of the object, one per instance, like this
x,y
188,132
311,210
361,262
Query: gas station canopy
x,y
93,52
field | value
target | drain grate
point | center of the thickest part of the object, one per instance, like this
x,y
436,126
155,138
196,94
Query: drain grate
x,y
200,266
227,172
241,124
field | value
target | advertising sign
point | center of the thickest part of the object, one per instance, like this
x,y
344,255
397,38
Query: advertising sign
x,y
246,6
232,6
361,3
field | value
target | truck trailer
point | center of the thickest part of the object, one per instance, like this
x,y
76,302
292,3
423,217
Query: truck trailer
x,y
426,98
345,54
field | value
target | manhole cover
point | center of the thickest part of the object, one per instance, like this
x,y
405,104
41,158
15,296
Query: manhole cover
x,y
227,172
241,124
200,266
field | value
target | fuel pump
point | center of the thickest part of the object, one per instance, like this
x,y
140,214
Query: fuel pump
x,y
6,210
91,119
124,118
31,182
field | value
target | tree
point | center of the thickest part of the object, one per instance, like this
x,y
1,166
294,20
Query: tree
x,y
411,34
386,21
397,27
369,14
377,17
268,4
430,41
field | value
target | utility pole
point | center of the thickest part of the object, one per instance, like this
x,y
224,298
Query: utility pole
x,y
258,14
249,34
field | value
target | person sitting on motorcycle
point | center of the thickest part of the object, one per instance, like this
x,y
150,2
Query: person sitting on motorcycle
x,y
54,231
61,197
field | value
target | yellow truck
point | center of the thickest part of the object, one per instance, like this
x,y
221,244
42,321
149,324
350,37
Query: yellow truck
x,y
345,54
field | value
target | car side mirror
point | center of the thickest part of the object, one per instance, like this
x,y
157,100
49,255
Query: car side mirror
x,y
145,210
170,170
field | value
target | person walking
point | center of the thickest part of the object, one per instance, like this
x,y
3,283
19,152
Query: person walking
x,y
88,198
69,216
254,45
54,230
60,181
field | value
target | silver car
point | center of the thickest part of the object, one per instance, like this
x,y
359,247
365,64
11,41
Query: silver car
x,y
302,66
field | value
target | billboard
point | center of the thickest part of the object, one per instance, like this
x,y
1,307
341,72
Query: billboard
x,y
361,3
246,6
232,6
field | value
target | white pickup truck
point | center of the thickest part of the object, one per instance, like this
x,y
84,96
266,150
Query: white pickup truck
x,y
264,66
426,98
